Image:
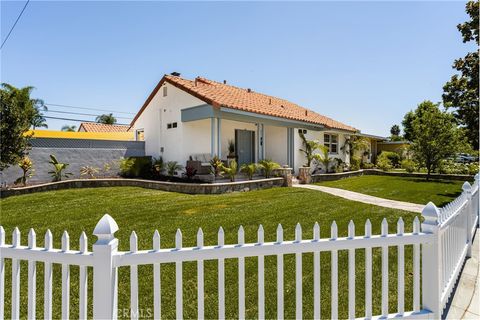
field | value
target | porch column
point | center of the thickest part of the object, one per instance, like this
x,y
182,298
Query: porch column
x,y
260,142
219,137
290,148
212,136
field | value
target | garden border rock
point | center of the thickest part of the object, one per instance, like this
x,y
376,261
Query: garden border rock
x,y
189,188
342,175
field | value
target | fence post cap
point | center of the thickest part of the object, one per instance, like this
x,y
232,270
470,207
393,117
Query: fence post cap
x,y
467,186
430,213
105,228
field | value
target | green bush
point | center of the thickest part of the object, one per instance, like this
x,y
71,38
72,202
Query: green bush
x,y
383,162
473,168
393,157
136,167
367,165
355,163
408,165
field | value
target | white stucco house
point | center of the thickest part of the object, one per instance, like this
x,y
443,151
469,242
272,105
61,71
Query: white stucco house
x,y
184,118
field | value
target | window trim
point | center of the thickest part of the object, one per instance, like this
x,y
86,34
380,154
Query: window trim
x,y
329,144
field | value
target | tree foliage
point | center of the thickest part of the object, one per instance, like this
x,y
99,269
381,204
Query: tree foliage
x,y
395,130
435,136
17,114
68,128
309,149
461,93
106,119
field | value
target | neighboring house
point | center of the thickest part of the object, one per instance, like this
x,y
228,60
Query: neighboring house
x,y
100,127
184,119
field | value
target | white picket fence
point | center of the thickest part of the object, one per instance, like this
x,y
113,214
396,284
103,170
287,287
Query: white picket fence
x,y
440,243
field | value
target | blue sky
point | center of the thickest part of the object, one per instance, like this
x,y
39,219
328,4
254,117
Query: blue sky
x,y
363,63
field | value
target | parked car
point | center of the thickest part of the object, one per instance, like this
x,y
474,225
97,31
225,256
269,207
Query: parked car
x,y
465,158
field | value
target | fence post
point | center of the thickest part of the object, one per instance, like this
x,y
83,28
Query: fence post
x,y
431,262
104,273
476,199
467,188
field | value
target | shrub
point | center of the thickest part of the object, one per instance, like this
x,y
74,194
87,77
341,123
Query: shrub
x,y
230,171
172,168
249,170
451,167
190,172
367,165
58,169
393,157
216,164
383,162
268,166
473,168
27,168
88,171
158,166
355,163
339,166
134,167
408,165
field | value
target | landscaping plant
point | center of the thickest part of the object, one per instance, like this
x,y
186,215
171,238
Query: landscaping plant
x,y
190,172
158,165
231,148
215,164
355,163
355,143
408,165
309,148
172,167
325,158
134,167
383,162
267,167
249,170
88,171
27,168
230,171
59,168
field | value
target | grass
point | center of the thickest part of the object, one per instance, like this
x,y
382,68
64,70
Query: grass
x,y
415,190
145,210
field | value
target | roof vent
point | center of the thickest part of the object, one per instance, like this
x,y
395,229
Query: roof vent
x,y
249,90
224,81
270,101
175,74
306,112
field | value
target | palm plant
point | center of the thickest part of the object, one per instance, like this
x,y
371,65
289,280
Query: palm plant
x,y
68,128
172,167
58,169
27,168
216,164
268,166
325,158
158,165
106,119
355,143
230,171
309,148
249,170
89,171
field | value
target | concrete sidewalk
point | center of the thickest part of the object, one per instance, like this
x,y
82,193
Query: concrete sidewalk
x,y
466,299
360,197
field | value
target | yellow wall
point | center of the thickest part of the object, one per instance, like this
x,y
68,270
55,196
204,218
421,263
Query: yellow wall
x,y
122,136
392,147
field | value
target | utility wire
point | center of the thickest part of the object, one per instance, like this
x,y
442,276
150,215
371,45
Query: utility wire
x,y
79,120
85,108
81,114
13,27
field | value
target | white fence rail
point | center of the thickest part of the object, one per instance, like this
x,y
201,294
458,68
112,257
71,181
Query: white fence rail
x,y
441,243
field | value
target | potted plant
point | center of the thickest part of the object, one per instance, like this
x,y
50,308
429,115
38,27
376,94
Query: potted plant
x,y
231,150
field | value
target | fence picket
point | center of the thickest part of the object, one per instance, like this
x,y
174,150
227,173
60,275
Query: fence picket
x,y
384,270
2,275
334,275
83,285
157,295
298,275
400,270
316,274
65,279
47,308
368,272
179,278
416,268
133,279
221,277
16,277
241,276
261,276
200,285
32,277
279,274
351,273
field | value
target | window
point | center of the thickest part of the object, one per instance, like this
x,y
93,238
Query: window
x,y
140,135
331,142
164,91
174,125
171,125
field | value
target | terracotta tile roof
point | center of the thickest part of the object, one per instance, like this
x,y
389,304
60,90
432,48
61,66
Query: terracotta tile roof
x,y
223,95
100,127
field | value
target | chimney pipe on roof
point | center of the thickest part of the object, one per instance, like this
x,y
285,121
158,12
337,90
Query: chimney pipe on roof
x,y
306,112
249,90
224,81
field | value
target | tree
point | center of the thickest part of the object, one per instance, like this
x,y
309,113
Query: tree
x,y
17,111
68,128
106,119
435,136
461,93
395,130
38,120
309,148
355,143
407,124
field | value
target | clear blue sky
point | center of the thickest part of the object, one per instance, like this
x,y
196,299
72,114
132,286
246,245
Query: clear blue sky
x,y
362,63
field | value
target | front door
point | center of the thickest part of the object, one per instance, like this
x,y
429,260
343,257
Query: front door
x,y
245,146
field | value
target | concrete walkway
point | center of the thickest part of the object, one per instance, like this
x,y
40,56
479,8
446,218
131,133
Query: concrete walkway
x,y
466,299
360,197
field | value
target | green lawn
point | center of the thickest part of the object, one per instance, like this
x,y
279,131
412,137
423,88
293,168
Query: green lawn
x,y
415,190
145,210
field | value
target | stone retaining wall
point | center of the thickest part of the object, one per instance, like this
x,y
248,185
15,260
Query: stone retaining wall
x,y
190,188
337,176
